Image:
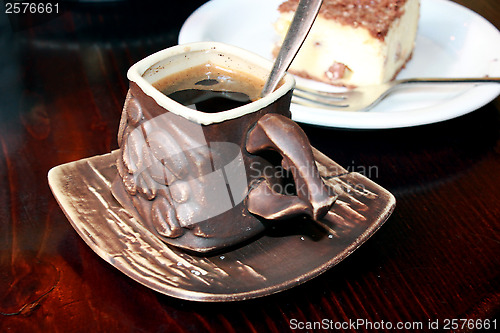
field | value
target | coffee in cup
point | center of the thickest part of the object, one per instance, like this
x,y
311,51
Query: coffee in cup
x,y
197,143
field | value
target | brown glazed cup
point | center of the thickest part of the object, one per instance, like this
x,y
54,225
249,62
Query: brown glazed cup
x,y
205,181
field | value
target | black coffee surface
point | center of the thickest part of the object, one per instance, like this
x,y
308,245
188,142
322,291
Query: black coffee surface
x,y
210,101
210,88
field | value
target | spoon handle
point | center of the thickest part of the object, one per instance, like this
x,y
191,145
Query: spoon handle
x,y
303,19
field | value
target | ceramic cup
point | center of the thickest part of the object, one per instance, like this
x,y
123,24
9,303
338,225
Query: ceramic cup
x,y
205,181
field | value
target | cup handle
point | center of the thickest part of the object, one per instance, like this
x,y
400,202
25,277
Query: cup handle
x,y
281,134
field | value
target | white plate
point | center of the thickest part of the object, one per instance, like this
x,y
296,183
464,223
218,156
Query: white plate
x,y
460,43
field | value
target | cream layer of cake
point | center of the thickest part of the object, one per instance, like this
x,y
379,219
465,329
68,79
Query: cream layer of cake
x,y
355,42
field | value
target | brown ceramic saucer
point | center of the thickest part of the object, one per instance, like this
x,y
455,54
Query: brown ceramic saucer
x,y
279,259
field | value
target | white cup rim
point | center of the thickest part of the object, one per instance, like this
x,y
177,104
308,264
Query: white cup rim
x,y
137,73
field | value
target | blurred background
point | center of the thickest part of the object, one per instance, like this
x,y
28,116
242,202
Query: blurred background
x,y
87,34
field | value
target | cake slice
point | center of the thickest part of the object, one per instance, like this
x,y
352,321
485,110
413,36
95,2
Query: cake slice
x,y
354,42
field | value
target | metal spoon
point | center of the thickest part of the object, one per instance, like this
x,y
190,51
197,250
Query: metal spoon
x,y
303,19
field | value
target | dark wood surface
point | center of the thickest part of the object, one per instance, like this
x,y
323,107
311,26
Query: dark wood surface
x,y
62,88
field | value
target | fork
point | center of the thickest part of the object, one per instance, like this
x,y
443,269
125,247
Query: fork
x,y
364,98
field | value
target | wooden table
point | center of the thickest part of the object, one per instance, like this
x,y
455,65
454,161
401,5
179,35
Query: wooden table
x,y
435,261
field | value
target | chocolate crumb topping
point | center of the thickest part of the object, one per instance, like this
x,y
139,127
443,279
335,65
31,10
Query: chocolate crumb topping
x,y
374,15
